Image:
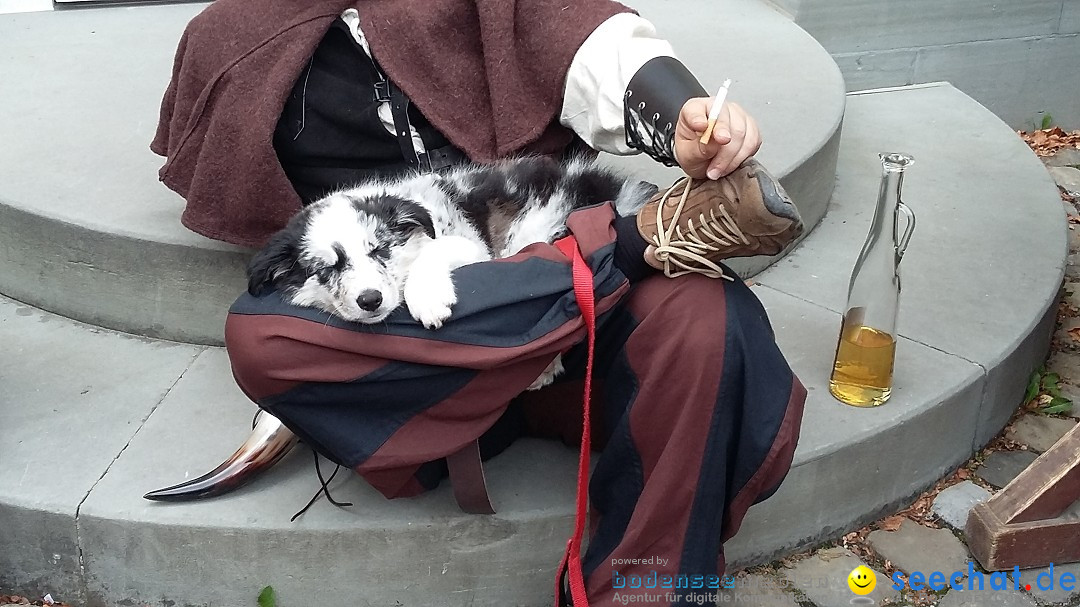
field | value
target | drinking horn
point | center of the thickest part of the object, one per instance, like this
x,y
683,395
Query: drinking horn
x,y
268,442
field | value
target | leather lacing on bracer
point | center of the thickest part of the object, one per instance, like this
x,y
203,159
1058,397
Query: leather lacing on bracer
x,y
683,251
637,128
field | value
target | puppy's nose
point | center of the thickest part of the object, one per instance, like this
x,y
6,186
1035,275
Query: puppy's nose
x,y
369,300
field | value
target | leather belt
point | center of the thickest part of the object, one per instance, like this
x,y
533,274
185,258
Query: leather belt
x,y
467,480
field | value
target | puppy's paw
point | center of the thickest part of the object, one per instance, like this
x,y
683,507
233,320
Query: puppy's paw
x,y
430,299
548,376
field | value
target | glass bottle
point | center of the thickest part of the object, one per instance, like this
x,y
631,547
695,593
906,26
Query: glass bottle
x,y
866,349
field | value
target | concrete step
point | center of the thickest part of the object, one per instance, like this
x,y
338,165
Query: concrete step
x,y
93,419
977,45
90,233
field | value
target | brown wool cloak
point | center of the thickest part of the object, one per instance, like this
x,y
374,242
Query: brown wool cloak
x,y
489,74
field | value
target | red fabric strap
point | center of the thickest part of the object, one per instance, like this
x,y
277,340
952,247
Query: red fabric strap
x,y
571,562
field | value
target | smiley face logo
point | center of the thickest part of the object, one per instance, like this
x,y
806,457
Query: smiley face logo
x,y
861,580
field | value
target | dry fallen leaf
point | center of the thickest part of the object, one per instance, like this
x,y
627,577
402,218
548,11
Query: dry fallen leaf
x,y
1074,333
1046,142
892,523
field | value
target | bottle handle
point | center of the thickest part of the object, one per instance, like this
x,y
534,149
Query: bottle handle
x,y
901,246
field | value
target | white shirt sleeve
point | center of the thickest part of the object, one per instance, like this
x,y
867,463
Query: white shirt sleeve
x,y
599,74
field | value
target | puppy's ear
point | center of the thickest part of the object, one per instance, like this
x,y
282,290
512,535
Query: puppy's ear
x,y
411,215
275,260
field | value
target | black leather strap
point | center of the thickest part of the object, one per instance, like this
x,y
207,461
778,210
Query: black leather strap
x,y
440,158
652,103
428,161
399,108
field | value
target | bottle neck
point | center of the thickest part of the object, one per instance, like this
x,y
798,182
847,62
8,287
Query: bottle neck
x,y
893,167
883,227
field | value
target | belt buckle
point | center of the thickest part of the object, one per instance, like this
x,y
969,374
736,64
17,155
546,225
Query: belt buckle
x,y
382,91
424,160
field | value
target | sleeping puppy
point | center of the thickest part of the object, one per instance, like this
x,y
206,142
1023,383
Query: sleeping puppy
x,y
359,253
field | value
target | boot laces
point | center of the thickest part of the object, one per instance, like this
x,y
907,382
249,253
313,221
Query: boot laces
x,y
683,251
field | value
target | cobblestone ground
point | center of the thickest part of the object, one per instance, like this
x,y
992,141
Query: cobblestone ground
x,y
928,535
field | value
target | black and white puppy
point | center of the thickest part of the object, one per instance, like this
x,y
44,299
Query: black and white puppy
x,y
358,253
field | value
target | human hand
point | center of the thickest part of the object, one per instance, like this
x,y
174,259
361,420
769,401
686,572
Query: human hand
x,y
734,139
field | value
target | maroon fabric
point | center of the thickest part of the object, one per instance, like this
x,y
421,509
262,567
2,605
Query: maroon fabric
x,y
489,74
555,412
669,467
455,422
395,482
591,234
233,69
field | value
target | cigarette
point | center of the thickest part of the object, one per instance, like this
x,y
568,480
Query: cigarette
x,y
714,113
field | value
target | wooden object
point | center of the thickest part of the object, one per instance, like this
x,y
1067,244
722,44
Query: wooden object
x,y
1022,525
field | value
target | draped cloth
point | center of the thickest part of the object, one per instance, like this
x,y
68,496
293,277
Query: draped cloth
x,y
488,74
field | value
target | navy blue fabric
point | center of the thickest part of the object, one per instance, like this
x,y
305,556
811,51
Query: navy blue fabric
x,y
618,478
769,380
349,421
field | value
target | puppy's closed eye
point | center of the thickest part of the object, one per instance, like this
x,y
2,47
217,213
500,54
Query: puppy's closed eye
x,y
381,252
342,259
325,273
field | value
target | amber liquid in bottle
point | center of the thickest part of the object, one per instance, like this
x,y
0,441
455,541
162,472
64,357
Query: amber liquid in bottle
x,y
862,373
863,368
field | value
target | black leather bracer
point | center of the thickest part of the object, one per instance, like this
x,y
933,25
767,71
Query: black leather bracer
x,y
651,106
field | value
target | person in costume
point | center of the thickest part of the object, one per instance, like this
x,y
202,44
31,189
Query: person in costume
x,y
274,103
